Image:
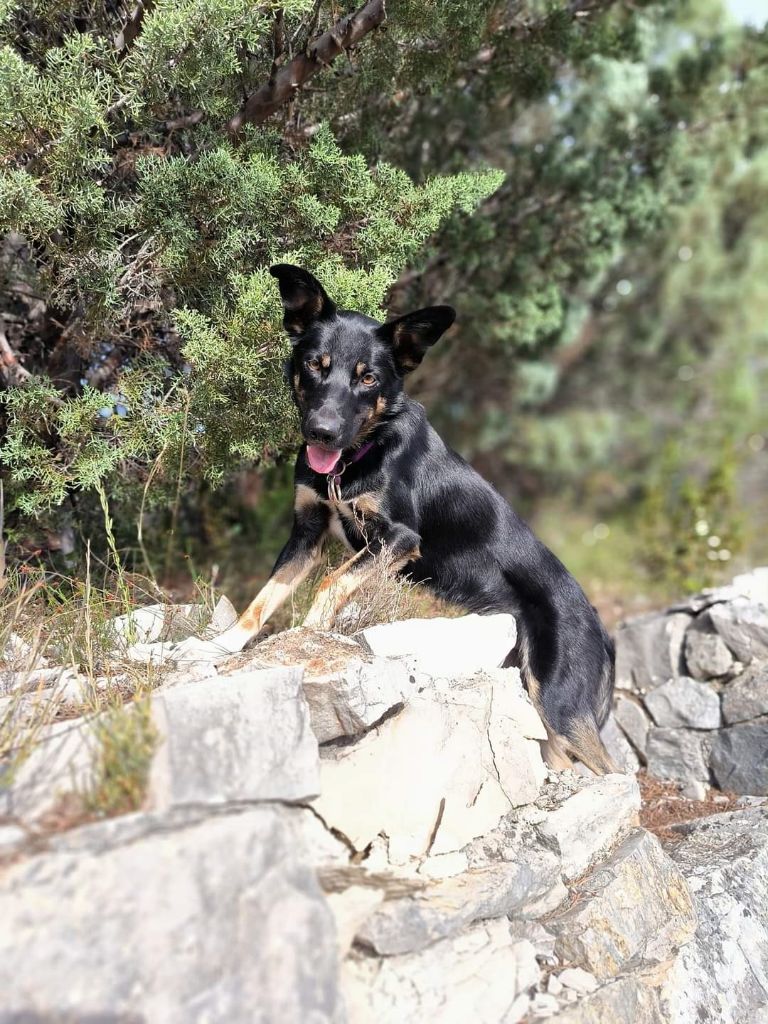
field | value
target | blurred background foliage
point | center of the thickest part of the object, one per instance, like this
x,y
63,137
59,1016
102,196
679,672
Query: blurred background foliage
x,y
587,182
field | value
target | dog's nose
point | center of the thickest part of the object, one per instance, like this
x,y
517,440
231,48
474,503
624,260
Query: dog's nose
x,y
324,431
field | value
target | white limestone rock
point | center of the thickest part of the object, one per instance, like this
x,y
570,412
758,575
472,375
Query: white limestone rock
x,y
591,821
447,647
439,773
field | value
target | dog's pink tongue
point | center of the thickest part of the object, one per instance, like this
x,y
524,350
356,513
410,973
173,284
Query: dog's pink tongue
x,y
321,460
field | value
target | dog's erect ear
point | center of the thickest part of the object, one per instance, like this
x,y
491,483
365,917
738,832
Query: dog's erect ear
x,y
304,298
411,335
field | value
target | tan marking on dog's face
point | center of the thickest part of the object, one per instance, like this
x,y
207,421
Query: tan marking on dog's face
x,y
381,405
325,360
360,369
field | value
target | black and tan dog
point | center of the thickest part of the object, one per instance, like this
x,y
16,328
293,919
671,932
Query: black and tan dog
x,y
374,473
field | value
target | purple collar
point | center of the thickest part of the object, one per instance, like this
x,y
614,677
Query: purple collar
x,y
360,452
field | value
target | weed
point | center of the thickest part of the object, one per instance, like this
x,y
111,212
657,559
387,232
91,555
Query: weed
x,y
126,739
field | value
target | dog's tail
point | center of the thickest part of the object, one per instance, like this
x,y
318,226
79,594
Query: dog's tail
x,y
579,734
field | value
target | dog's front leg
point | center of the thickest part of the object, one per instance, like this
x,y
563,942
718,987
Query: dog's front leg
x,y
401,545
298,558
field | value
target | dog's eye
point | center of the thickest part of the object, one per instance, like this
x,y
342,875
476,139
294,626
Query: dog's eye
x,y
313,363
369,380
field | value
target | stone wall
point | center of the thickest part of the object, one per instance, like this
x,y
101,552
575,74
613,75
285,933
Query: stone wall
x,y
363,831
692,689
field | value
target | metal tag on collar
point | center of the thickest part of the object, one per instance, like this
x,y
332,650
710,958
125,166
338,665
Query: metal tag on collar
x,y
334,483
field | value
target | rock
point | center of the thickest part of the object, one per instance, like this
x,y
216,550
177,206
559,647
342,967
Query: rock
x,y
684,702
617,745
224,615
448,647
590,822
156,621
635,908
217,920
706,654
543,1005
351,908
751,585
633,721
649,650
441,772
446,906
743,625
12,838
61,763
739,758
543,941
677,754
347,690
554,985
35,679
631,999
579,980
746,696
475,976
694,790
241,738
721,976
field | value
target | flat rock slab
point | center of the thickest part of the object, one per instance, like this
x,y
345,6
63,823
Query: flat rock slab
x,y
439,773
221,920
721,977
445,907
475,976
448,647
633,909
649,650
238,738
347,689
739,758
591,821
684,703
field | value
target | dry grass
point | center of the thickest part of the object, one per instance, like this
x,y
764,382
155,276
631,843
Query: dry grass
x,y
49,623
663,806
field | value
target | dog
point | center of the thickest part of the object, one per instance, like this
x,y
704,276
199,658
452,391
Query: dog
x,y
375,474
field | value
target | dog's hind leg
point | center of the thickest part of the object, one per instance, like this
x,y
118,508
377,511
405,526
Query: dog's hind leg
x,y
583,741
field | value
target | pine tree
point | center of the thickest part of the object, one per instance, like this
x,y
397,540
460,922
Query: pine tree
x,y
141,202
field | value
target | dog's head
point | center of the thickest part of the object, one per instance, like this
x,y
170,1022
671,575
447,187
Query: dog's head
x,y
347,370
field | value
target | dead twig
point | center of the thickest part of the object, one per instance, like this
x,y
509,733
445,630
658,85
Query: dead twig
x,y
282,86
12,369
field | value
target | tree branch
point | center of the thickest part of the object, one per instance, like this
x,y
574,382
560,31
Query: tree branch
x,y
12,369
274,93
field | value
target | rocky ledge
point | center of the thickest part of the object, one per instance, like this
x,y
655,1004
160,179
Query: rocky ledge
x,y
363,830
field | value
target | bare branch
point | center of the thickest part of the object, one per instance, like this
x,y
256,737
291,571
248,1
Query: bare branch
x,y
274,93
12,369
132,27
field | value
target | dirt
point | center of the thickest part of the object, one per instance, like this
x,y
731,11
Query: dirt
x,y
664,806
